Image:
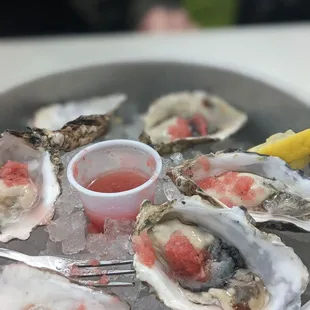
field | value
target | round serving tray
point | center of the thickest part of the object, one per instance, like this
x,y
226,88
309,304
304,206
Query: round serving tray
x,y
270,110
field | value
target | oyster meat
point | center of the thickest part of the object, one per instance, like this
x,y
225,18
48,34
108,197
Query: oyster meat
x,y
54,116
196,256
28,288
30,166
265,185
179,120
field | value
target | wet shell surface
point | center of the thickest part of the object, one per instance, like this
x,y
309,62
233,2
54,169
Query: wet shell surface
x,y
197,256
54,116
28,288
177,121
30,167
265,185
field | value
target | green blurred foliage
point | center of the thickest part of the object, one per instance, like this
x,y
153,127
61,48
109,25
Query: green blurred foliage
x,y
212,13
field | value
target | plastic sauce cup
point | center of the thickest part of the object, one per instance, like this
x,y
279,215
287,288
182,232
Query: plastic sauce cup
x,y
103,157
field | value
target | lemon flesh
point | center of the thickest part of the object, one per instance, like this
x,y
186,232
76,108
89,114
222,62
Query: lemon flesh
x,y
292,147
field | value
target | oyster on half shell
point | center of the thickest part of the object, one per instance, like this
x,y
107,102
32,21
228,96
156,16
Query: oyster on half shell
x,y
196,256
265,185
28,288
177,121
54,116
30,166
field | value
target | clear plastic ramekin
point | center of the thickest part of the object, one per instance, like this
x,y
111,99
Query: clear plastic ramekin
x,y
102,157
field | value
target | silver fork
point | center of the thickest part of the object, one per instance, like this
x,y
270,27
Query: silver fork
x,y
75,270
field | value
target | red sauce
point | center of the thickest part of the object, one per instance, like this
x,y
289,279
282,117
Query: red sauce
x,y
227,201
184,259
117,181
212,183
81,307
230,177
204,162
243,186
14,173
104,279
97,221
75,271
142,245
93,262
180,129
230,184
241,306
201,124
94,229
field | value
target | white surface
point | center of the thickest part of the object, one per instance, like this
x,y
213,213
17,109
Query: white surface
x,y
277,54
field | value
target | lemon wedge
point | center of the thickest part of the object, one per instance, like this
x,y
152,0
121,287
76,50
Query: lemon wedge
x,y
292,147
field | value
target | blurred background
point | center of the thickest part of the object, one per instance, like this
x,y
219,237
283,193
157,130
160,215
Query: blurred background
x,y
50,17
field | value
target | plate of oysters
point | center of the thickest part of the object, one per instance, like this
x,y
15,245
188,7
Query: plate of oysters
x,y
223,225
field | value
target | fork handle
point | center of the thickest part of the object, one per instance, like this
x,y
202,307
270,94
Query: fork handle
x,y
13,255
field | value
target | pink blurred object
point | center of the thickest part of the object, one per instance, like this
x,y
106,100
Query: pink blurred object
x,y
161,19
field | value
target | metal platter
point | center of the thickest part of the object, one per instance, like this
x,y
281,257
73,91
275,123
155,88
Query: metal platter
x,y
270,110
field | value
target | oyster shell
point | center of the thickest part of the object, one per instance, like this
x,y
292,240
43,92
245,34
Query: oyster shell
x,y
179,120
196,256
35,289
54,116
28,201
265,185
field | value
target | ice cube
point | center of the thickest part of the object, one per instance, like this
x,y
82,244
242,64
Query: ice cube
x,y
167,163
58,229
66,158
115,228
97,244
171,191
119,248
75,243
190,154
68,200
64,208
63,227
104,247
160,196
78,220
177,158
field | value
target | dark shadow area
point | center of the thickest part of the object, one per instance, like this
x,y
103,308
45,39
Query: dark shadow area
x,y
44,18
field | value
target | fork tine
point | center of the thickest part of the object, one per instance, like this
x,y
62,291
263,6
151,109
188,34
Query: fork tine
x,y
102,263
110,284
90,272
